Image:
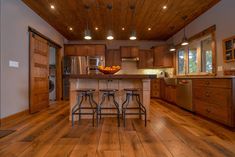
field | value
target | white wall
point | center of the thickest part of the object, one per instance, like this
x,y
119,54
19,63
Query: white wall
x,y
15,19
221,15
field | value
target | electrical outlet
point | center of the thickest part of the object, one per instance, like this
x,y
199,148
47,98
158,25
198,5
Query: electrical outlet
x,y
220,68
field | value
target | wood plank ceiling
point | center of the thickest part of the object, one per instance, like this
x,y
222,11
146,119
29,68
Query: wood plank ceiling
x,y
149,14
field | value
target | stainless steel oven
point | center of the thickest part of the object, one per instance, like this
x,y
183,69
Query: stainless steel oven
x,y
94,62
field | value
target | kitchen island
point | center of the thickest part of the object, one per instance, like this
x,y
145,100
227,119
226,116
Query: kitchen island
x,y
118,81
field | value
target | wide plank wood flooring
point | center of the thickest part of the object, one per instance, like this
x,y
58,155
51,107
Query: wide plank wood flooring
x,y
171,132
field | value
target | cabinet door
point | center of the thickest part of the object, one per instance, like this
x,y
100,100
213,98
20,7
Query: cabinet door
x,y
134,52
100,50
145,59
125,52
168,59
81,50
162,57
69,50
129,52
158,56
113,57
90,50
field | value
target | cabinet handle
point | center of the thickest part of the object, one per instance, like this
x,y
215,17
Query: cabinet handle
x,y
207,82
207,94
208,111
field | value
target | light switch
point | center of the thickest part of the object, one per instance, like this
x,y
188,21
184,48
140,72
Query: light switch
x,y
13,64
220,68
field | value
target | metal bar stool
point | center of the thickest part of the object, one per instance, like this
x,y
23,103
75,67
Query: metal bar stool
x,y
107,93
77,109
133,92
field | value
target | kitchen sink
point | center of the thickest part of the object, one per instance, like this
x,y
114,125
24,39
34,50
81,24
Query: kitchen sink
x,y
170,81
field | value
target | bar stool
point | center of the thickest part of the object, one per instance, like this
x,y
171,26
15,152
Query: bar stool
x,y
107,93
133,92
81,95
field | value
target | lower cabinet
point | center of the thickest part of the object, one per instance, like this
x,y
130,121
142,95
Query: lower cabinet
x,y
155,88
214,99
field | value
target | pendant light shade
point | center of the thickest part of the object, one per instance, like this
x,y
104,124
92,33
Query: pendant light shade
x,y
172,48
133,32
87,35
133,35
184,41
87,32
110,35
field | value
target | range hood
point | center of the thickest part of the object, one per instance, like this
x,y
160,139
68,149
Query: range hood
x,y
134,59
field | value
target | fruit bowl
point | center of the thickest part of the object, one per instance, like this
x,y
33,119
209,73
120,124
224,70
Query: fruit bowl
x,y
109,70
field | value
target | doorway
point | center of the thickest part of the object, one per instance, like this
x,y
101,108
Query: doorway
x,y
45,74
52,73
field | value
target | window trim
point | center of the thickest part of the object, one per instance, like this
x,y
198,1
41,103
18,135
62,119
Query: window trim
x,y
209,31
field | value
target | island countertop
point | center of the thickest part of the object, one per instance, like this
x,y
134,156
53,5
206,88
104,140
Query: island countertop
x,y
109,76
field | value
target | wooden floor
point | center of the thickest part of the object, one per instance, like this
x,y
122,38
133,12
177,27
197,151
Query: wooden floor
x,y
171,132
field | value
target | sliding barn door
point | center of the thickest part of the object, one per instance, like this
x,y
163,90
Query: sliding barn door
x,y
38,73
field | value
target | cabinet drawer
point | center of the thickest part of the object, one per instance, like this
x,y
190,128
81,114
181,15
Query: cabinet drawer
x,y
218,96
220,83
155,87
155,94
213,111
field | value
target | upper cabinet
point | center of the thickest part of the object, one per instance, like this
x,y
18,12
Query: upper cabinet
x,y
113,58
162,57
84,50
129,52
145,59
229,49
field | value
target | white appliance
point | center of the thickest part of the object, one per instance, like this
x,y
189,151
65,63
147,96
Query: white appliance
x,y
52,88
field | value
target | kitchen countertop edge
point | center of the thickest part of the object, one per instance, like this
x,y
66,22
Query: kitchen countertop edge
x,y
110,76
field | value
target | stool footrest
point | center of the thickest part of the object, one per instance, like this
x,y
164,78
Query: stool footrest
x,y
108,108
87,108
108,114
135,113
84,113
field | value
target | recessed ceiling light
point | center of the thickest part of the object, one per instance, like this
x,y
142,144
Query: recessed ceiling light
x,y
70,28
52,7
164,7
123,28
149,29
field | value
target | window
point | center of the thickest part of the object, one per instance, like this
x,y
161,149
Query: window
x,y
196,58
206,55
181,63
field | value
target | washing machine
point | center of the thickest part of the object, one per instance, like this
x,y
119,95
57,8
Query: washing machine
x,y
52,88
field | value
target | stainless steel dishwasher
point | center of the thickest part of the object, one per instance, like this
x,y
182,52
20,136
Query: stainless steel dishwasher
x,y
184,96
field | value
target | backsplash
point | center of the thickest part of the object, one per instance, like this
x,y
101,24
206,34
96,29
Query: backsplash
x,y
130,67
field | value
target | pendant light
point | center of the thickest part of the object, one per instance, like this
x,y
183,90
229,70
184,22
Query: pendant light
x,y
172,48
184,40
110,32
133,32
87,32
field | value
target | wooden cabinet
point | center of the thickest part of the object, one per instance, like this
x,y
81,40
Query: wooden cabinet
x,y
155,88
145,59
229,49
214,98
84,50
113,57
167,92
162,57
129,52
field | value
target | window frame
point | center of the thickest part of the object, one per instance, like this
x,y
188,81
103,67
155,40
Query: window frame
x,y
200,36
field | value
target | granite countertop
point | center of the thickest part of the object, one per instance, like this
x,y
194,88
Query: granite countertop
x,y
108,76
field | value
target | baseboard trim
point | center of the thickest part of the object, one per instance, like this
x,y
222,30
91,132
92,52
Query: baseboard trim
x,y
8,119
